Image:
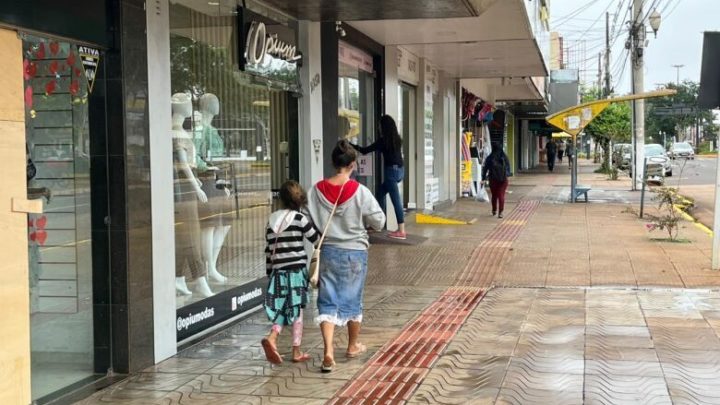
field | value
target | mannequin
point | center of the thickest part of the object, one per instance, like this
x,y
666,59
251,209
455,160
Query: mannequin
x,y
212,218
187,193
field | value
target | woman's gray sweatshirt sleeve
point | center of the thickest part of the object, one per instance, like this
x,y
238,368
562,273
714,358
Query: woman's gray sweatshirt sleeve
x,y
373,216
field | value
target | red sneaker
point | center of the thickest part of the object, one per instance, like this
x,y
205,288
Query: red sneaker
x,y
397,235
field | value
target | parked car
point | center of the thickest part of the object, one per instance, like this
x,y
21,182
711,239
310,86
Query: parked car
x,y
655,153
681,150
622,155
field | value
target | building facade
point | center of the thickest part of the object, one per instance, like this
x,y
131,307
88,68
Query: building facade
x,y
156,135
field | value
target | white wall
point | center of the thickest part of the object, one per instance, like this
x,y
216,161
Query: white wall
x,y
311,116
161,177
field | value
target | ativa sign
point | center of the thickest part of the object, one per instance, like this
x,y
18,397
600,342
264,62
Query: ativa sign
x,y
260,43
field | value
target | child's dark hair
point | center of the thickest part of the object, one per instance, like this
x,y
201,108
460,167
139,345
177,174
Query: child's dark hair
x,y
292,195
343,155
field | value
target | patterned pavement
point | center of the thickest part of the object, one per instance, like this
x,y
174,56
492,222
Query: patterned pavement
x,y
592,346
557,303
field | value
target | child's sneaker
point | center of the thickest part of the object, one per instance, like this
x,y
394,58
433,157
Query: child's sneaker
x,y
397,235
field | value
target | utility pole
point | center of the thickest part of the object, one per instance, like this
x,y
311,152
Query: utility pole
x,y
677,80
637,47
600,91
607,55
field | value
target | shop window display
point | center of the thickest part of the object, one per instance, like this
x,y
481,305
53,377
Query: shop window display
x,y
230,135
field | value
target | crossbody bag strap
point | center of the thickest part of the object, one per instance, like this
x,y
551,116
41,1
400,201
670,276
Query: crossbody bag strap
x,y
332,213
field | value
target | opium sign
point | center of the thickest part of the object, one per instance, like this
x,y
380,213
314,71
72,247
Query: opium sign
x,y
260,43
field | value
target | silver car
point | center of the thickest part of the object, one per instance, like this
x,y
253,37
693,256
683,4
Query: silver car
x,y
681,150
656,154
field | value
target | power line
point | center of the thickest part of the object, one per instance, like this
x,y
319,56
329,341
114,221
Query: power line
x,y
574,13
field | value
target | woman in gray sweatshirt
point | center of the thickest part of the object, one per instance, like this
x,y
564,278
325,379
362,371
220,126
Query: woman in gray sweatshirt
x,y
343,257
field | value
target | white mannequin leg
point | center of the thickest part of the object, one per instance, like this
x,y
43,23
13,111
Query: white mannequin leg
x,y
218,242
181,286
208,249
203,288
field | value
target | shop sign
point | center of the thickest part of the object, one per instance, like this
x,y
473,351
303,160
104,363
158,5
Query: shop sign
x,y
365,165
351,56
194,318
267,48
90,60
408,65
260,43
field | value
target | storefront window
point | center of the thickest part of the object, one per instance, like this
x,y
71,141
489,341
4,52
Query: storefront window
x,y
230,133
59,239
356,105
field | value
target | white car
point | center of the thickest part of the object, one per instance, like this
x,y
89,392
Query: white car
x,y
655,153
681,150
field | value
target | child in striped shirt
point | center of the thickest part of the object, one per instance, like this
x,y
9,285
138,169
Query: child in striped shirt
x,y
286,265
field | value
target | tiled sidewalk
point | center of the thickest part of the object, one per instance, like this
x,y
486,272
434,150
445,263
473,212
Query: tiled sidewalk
x,y
543,343
592,346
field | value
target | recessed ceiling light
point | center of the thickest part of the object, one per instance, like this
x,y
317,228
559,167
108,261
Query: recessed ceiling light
x,y
213,3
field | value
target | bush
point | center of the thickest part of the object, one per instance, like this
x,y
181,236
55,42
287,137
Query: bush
x,y
668,200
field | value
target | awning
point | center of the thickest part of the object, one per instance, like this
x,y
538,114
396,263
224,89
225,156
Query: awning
x,y
561,135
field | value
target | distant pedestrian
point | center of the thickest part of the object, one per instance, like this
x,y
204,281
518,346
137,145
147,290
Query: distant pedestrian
x,y
286,267
350,209
551,152
561,151
570,154
497,170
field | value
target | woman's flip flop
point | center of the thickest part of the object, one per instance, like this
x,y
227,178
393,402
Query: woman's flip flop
x,y
327,368
303,358
271,353
361,348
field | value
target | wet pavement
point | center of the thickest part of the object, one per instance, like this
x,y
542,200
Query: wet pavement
x,y
557,303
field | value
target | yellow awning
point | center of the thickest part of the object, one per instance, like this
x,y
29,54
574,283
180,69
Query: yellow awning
x,y
561,135
574,119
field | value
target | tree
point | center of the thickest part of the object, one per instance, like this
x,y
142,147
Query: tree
x,y
612,125
672,125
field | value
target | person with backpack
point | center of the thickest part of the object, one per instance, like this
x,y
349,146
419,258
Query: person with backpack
x,y
496,171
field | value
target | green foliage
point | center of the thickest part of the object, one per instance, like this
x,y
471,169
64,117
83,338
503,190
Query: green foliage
x,y
612,125
687,95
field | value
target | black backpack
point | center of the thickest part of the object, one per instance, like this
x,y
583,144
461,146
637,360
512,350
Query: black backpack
x,y
498,170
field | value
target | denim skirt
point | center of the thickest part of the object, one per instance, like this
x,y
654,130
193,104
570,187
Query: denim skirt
x,y
342,283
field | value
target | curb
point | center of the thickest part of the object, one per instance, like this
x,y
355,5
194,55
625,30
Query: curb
x,y
680,208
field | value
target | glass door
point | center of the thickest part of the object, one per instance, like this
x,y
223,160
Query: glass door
x,y
356,107
57,87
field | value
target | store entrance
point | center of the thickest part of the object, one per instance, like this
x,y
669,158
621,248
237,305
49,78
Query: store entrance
x,y
68,269
357,121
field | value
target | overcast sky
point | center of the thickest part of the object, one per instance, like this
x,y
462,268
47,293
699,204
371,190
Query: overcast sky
x,y
679,40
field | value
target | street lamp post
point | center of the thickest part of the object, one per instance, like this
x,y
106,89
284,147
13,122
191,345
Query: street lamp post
x,y
677,78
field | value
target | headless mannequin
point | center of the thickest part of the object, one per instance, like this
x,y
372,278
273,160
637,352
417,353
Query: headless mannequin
x,y
213,235
184,160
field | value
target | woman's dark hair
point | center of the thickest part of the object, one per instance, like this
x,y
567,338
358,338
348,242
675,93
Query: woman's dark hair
x,y
389,133
496,147
292,195
343,155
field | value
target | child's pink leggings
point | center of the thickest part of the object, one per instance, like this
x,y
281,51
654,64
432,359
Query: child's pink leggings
x,y
297,329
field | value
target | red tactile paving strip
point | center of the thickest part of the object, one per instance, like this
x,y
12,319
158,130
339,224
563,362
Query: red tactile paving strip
x,y
393,374
494,250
